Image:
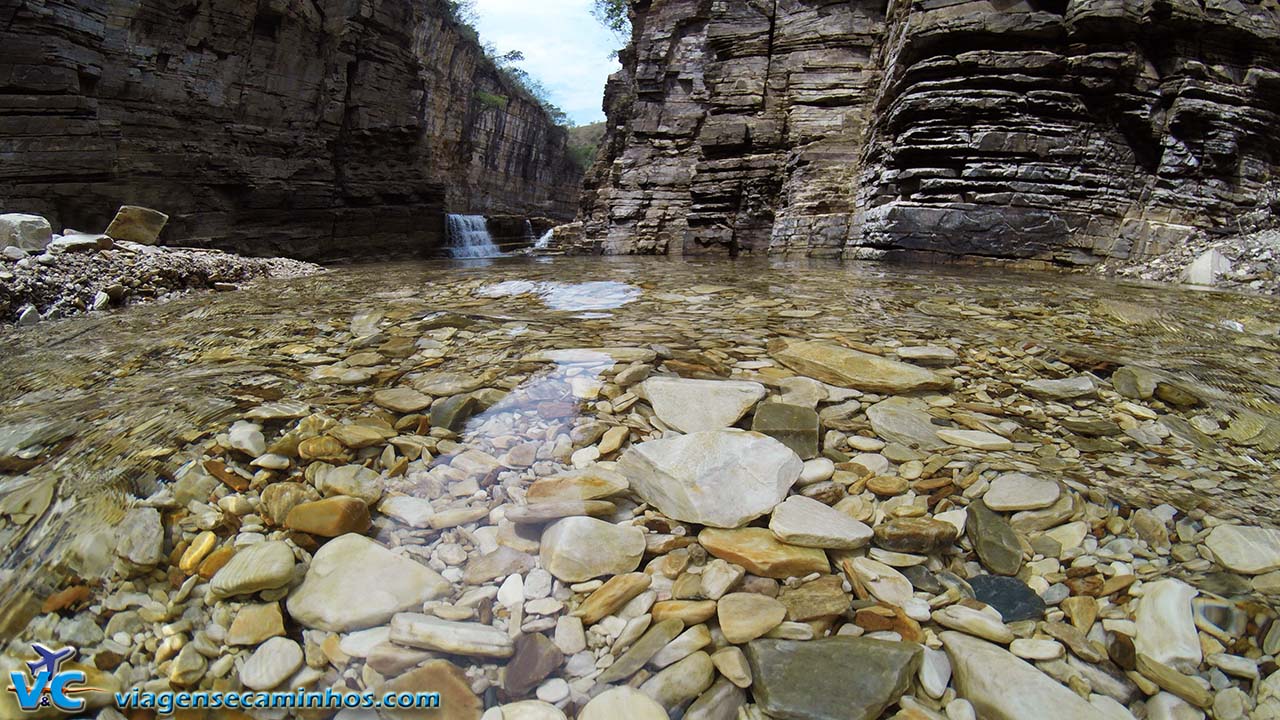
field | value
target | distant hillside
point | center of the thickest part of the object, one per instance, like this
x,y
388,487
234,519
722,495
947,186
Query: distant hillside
x,y
584,143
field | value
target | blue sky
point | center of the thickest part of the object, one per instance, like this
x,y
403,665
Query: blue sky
x,y
564,48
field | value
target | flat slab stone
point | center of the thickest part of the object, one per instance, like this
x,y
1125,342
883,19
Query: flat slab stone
x,y
844,367
1166,625
839,678
1012,597
355,583
264,566
137,224
1000,686
1065,389
1245,549
803,521
457,638
759,551
719,478
994,540
906,421
975,439
1018,491
402,400
696,405
580,548
795,426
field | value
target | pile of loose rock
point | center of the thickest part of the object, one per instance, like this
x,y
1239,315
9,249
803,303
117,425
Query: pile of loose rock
x,y
806,539
1248,262
46,276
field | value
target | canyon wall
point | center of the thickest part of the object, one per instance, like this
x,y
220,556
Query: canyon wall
x,y
1061,131
321,129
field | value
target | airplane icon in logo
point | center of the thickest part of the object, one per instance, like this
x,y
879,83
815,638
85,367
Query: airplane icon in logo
x,y
50,660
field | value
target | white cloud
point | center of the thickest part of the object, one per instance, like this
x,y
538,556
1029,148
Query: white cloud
x,y
564,48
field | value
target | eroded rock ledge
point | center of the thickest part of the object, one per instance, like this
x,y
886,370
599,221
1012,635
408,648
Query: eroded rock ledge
x,y
313,128
1063,132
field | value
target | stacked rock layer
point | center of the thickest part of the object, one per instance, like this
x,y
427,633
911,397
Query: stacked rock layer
x,y
1059,132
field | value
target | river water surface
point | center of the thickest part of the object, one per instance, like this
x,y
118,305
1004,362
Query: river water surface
x,y
98,410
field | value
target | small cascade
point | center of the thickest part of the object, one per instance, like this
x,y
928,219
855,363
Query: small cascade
x,y
528,231
544,242
468,237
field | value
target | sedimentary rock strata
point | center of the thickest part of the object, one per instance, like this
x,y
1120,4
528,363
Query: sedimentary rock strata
x,y
1062,132
317,129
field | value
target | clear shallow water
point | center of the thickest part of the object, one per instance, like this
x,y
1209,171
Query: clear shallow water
x,y
101,409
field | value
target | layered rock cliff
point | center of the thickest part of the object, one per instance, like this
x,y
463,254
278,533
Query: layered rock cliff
x,y
313,128
1055,130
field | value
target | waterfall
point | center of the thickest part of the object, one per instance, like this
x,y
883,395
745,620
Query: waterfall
x,y
468,237
545,241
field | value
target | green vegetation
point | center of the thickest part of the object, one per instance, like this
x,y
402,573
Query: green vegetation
x,y
615,15
584,143
491,100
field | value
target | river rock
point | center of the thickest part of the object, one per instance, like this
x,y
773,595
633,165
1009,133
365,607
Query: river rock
x,y
994,540
535,658
883,582
1166,625
915,535
1073,388
616,592
457,701
355,481
26,232
1017,491
402,400
271,664
641,651
844,367
802,521
1010,596
412,511
682,681
974,622
721,701
590,483
697,405
838,678
759,551
355,583
1001,686
1246,549
905,420
142,537
263,566
975,439
330,517
281,497
747,616
502,562
720,478
622,703
457,638
580,548
795,426
530,710
137,224
256,623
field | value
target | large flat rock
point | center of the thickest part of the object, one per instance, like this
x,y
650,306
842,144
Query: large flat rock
x,y
721,478
841,366
1001,686
839,678
697,405
355,583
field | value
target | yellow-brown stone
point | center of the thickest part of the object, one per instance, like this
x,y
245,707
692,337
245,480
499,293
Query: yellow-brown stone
x,y
330,517
758,550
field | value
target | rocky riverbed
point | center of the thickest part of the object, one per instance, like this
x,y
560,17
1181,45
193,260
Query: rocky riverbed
x,y
66,281
691,496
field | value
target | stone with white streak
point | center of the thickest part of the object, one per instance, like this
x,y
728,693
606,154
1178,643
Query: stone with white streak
x,y
458,638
